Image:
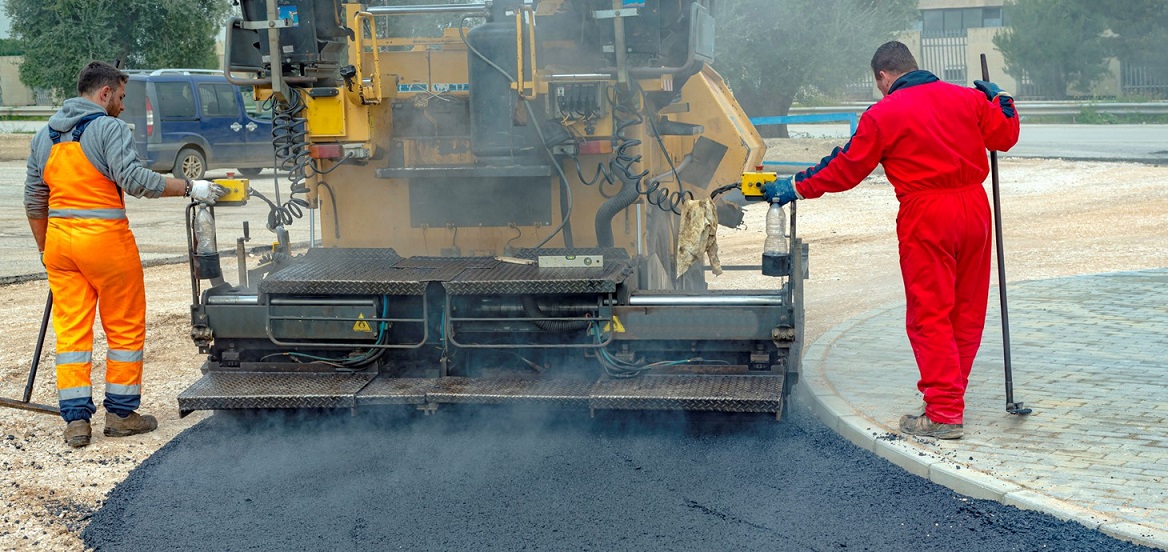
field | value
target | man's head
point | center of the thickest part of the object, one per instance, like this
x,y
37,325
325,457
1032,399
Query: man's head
x,y
104,85
891,60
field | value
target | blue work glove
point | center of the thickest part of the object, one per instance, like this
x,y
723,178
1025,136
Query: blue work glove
x,y
992,91
781,191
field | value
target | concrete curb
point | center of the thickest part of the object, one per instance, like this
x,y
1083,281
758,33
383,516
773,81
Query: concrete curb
x,y
838,414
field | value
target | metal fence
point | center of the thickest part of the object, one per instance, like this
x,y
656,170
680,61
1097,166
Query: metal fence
x,y
1137,80
944,56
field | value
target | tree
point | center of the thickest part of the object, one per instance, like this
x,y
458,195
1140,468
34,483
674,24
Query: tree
x,y
1054,44
1139,33
59,37
772,51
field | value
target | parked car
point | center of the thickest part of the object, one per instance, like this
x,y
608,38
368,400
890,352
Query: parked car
x,y
187,121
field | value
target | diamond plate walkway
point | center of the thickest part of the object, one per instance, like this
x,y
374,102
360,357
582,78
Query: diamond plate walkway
x,y
1090,356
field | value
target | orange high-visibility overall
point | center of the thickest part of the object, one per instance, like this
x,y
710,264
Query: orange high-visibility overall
x,y
93,264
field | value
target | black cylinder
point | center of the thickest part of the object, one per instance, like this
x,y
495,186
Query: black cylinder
x,y
207,267
776,264
492,101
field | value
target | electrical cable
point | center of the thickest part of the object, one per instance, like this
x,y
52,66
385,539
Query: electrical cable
x,y
622,369
566,189
475,51
625,117
289,138
680,195
723,189
348,363
333,201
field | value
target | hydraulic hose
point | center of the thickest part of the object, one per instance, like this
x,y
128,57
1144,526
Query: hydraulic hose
x,y
609,209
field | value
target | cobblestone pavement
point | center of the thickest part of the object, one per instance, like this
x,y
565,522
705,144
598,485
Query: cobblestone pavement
x,y
1089,355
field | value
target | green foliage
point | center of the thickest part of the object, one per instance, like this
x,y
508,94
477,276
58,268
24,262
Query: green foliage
x,y
1091,116
1055,44
1139,32
773,51
10,47
59,37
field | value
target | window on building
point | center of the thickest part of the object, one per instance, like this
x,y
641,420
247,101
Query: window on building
x,y
952,23
932,22
956,21
991,17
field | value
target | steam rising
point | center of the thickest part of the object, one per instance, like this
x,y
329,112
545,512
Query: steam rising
x,y
512,478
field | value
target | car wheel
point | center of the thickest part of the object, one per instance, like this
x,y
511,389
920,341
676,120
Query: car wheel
x,y
250,172
190,163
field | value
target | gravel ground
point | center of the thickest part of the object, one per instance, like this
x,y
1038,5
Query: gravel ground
x,y
1062,218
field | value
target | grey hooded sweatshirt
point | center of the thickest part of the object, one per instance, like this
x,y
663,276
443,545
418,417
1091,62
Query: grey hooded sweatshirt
x,y
107,143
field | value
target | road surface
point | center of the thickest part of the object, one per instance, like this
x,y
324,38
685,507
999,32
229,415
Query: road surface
x,y
503,479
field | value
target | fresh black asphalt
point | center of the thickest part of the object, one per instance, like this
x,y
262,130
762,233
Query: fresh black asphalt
x,y
489,478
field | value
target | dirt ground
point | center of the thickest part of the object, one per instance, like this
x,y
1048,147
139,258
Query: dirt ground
x,y
1061,218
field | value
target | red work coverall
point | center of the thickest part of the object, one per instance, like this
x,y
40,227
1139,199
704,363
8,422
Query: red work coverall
x,y
932,138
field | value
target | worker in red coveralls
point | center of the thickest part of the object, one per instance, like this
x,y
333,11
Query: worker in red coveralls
x,y
931,137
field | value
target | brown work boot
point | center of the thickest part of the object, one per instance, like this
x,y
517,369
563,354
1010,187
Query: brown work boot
x,y
77,433
117,426
924,427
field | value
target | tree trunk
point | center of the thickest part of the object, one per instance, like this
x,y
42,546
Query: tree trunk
x,y
785,101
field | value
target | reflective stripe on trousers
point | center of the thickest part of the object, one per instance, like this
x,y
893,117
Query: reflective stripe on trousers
x,y
93,266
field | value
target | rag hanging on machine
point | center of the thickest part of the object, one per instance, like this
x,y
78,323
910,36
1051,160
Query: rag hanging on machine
x,y
698,235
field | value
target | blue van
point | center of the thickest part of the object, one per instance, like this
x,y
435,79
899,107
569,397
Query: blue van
x,y
187,121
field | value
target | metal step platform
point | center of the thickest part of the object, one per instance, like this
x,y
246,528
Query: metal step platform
x,y
704,392
250,390
332,272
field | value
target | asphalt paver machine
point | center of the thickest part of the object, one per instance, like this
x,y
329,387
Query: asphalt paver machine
x,y
498,189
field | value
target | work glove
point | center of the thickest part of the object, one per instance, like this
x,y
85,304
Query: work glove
x,y
781,191
992,91
206,192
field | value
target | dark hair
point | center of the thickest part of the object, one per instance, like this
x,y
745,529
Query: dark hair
x,y
893,57
98,74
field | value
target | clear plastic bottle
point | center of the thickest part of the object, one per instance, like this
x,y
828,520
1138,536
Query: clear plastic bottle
x,y
207,266
776,231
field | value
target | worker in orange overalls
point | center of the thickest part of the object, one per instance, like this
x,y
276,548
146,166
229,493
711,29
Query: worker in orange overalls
x,y
931,137
80,166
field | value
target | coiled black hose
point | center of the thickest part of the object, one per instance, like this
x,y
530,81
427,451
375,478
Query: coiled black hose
x,y
620,168
289,137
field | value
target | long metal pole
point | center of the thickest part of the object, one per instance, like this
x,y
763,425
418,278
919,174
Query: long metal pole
x,y
24,404
1011,406
36,355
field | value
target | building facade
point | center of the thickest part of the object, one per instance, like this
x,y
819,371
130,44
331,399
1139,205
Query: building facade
x,y
951,35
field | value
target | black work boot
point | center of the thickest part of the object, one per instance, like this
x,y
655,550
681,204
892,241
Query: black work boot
x,y
922,426
77,433
117,426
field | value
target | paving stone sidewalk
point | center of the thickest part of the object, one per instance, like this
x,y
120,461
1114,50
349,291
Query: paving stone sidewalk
x,y
1089,355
